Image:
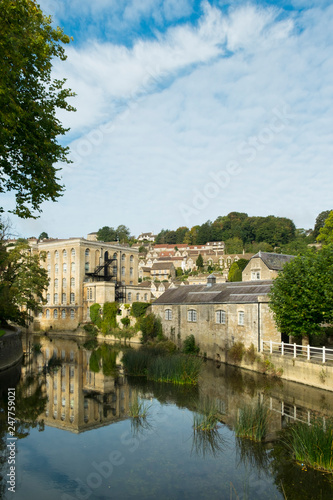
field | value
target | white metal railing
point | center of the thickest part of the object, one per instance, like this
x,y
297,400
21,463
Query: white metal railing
x,y
319,354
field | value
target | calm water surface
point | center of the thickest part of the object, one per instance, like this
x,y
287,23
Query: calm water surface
x,y
76,440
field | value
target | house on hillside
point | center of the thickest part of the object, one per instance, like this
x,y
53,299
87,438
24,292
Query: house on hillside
x,y
265,266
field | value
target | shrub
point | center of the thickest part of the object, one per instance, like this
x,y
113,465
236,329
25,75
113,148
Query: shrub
x,y
151,327
189,345
125,321
236,352
109,316
95,314
139,309
251,354
90,329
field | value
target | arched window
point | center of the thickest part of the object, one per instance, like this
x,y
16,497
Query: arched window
x,y
73,282
63,313
129,296
241,318
56,283
56,268
55,314
72,298
55,298
64,267
48,255
87,252
220,317
72,314
114,270
63,298
192,315
73,253
115,255
131,258
168,314
73,267
64,283
64,254
131,271
49,269
56,254
146,296
47,314
86,267
48,298
123,271
123,257
137,296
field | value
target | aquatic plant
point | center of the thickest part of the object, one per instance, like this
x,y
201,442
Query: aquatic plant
x,y
311,445
156,364
139,408
207,415
252,422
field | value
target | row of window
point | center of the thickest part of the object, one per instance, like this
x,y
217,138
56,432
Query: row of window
x,y
63,314
64,282
220,316
64,268
86,253
63,298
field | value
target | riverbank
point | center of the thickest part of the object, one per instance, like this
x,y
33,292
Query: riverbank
x,y
11,351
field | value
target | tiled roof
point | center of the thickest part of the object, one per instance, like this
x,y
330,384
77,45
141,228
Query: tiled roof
x,y
162,265
220,293
274,261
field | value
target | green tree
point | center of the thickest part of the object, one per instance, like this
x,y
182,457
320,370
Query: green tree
x,y
302,295
29,100
235,274
22,283
106,233
320,222
326,232
122,234
199,262
234,245
43,236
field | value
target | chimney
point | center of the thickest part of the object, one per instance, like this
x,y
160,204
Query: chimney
x,y
211,280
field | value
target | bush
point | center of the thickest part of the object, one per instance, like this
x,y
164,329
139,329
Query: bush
x,y
189,345
125,321
236,352
95,314
252,422
109,321
139,309
91,329
151,327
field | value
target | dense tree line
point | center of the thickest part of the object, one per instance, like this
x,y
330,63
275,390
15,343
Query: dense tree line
x,y
237,229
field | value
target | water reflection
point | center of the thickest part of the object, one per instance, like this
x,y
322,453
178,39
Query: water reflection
x,y
72,386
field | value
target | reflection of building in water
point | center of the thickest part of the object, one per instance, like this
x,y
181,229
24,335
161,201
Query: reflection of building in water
x,y
79,399
288,401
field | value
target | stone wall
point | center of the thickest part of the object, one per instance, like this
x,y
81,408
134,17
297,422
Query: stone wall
x,y
10,350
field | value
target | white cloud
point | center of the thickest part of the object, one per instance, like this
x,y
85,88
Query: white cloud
x,y
197,109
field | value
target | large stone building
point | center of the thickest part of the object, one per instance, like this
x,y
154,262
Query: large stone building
x,y
83,272
265,266
218,315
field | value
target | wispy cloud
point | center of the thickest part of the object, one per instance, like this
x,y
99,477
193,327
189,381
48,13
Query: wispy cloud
x,y
157,118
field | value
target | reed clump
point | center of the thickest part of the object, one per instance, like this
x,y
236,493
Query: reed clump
x,y
139,409
206,416
160,366
311,445
252,422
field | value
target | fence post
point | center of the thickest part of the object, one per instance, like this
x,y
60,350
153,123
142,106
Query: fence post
x,y
294,350
270,347
324,358
282,348
308,353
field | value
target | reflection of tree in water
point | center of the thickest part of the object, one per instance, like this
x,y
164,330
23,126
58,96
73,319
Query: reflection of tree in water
x,y
30,402
106,356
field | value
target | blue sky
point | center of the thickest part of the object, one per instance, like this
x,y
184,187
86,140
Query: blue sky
x,y
188,110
